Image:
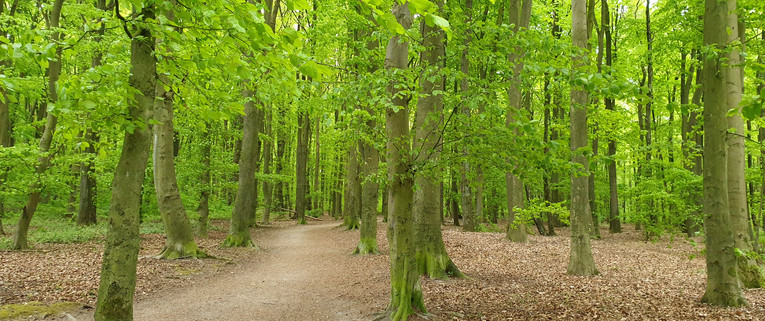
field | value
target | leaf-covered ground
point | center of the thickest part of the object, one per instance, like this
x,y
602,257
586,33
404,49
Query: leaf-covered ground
x,y
661,280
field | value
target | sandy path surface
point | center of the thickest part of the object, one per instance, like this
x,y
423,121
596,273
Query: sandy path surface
x,y
298,275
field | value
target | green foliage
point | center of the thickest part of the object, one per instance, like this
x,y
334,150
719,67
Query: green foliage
x,y
537,208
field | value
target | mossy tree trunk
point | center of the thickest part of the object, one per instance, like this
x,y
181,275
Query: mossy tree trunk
x,y
406,293
244,204
179,240
580,260
118,269
430,252
369,196
44,160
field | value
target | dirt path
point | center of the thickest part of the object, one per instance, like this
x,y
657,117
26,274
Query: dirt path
x,y
298,275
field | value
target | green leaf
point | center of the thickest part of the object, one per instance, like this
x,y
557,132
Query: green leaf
x,y
731,112
752,110
392,24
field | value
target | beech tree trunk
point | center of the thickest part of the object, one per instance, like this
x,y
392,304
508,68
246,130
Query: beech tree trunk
x,y
43,161
470,223
580,259
352,206
204,195
614,223
723,285
749,272
406,293
520,14
118,269
267,158
431,256
301,166
244,203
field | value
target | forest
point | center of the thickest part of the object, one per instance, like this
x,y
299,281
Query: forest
x,y
465,159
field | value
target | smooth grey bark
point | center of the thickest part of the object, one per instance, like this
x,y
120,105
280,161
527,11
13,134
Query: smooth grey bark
x,y
352,205
118,269
43,161
723,286
580,260
520,14
268,144
431,256
203,209
406,293
470,222
614,223
244,203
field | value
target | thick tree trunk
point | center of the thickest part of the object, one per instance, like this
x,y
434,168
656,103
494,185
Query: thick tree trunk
x,y
43,161
723,285
301,166
244,204
118,269
406,293
580,259
432,259
749,272
369,195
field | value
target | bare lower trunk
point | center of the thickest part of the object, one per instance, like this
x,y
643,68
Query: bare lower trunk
x,y
267,155
204,195
244,204
118,270
406,293
352,206
43,162
580,260
723,285
86,213
301,166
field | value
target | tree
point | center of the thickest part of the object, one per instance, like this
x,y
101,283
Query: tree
x,y
520,14
44,160
432,259
580,259
470,221
406,294
723,286
118,269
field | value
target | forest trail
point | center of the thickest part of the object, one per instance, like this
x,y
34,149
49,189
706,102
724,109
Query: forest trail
x,y
298,275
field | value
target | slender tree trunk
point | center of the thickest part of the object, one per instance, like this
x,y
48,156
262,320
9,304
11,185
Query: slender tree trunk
x,y
86,212
118,269
761,137
352,206
301,166
281,146
431,256
406,293
43,161
466,191
580,260
204,195
267,157
520,13
723,285
244,203
614,223
454,205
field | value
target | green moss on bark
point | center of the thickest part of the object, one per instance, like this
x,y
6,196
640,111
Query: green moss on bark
x,y
238,240
437,265
750,273
182,250
367,245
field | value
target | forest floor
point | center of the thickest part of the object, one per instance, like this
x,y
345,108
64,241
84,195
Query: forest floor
x,y
307,273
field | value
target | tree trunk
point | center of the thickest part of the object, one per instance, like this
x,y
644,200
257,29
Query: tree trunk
x,y
267,156
406,293
466,191
369,195
580,259
749,272
432,259
118,269
454,206
614,223
723,286
353,193
519,13
301,166
244,204
591,197
86,213
204,195
43,161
